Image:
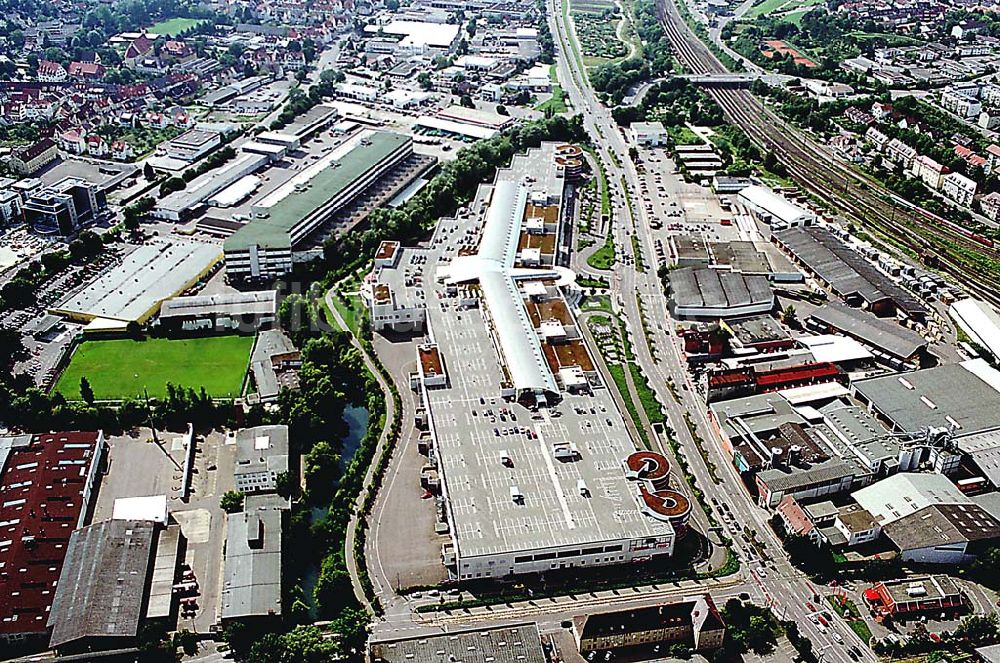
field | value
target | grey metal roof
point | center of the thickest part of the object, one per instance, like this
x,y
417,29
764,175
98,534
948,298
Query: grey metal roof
x,y
493,267
781,480
262,302
984,450
847,272
103,582
942,525
879,333
147,276
270,342
938,396
695,287
517,643
902,494
252,575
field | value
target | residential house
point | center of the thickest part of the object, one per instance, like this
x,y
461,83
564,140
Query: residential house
x,y
857,525
72,141
858,116
929,171
959,188
881,112
878,139
974,160
899,152
157,120
963,105
993,155
991,205
51,72
87,70
27,160
176,51
97,146
121,151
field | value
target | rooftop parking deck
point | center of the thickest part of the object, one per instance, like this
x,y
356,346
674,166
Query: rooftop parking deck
x,y
508,489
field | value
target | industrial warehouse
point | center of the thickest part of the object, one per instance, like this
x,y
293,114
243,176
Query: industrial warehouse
x,y
134,290
265,246
537,469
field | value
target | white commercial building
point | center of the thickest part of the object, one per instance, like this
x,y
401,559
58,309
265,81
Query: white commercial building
x,y
774,209
980,321
650,134
525,490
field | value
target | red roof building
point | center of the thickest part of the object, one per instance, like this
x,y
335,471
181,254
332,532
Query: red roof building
x,y
47,482
89,70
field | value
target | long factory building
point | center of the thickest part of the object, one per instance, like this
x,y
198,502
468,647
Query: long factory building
x,y
535,467
265,247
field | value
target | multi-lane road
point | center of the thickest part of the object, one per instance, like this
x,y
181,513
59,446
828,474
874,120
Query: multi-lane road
x,y
765,572
789,590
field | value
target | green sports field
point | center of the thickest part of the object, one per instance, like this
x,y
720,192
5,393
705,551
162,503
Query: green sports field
x,y
174,26
121,368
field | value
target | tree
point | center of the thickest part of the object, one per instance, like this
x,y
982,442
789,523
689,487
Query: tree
x,y
231,501
11,349
790,317
466,101
148,172
502,110
332,76
322,469
978,629
424,80
285,484
86,392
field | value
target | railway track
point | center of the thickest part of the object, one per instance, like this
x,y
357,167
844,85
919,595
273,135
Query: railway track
x,y
904,225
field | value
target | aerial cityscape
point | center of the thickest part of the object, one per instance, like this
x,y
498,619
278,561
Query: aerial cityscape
x,y
500,331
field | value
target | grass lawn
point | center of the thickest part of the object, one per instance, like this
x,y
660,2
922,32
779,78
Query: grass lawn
x,y
352,313
557,102
121,368
174,26
861,628
596,303
768,7
684,136
604,257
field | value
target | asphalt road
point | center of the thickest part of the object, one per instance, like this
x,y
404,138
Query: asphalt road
x,y
781,585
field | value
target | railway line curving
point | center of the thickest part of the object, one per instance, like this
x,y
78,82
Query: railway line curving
x,y
957,251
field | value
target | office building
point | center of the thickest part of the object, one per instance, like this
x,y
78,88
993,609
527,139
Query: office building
x,y
65,207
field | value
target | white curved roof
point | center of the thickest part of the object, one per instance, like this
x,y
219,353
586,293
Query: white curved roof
x,y
777,206
493,267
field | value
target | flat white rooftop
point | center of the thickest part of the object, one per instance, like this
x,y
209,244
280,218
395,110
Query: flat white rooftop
x,y
134,289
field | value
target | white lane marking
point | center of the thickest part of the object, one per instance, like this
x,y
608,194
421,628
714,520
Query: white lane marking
x,y
555,480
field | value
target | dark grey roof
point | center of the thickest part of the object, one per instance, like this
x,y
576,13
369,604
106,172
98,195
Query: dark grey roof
x,y
795,478
847,272
517,643
103,582
934,397
253,560
879,333
713,288
941,525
